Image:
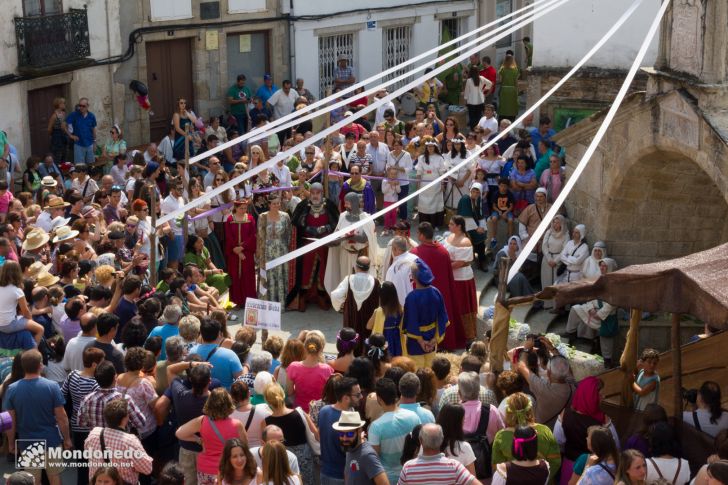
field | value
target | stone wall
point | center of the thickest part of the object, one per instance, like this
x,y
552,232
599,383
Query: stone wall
x,y
590,88
657,187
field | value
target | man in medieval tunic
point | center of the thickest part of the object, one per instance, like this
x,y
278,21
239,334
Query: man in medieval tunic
x,y
355,243
438,260
358,184
425,317
359,296
474,208
313,218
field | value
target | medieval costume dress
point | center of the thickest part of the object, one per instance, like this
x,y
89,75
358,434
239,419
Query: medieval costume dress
x,y
551,246
475,212
312,221
362,242
242,271
425,317
573,256
359,296
263,181
438,259
431,205
365,189
273,242
590,268
464,293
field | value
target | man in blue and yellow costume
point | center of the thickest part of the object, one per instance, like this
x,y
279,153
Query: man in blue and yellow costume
x,y
425,317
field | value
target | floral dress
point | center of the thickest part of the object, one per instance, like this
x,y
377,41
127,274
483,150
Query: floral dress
x,y
273,242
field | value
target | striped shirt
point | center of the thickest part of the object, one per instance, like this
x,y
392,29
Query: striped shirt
x,y
434,470
76,387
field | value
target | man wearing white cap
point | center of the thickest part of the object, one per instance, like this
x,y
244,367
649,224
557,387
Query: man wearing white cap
x,y
363,466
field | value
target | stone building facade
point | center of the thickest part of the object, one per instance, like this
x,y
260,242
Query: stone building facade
x,y
657,187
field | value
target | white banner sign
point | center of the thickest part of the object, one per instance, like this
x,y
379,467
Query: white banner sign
x,y
263,314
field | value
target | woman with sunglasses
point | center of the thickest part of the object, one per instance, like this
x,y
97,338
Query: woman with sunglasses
x,y
112,148
220,200
430,165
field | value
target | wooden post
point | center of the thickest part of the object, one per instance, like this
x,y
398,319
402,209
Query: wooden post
x,y
186,182
153,234
676,370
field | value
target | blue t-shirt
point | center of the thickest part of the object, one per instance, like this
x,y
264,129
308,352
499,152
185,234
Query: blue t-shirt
x,y
333,458
536,137
225,362
274,365
34,402
265,93
82,127
126,310
165,331
388,432
425,415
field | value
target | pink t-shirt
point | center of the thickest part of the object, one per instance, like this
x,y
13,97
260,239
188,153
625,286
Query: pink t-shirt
x,y
5,200
208,461
309,381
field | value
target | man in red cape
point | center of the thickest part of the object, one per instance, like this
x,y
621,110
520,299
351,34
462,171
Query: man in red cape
x,y
438,259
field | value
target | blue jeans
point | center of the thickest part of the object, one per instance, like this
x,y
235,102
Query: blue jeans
x,y
83,154
403,192
242,121
330,481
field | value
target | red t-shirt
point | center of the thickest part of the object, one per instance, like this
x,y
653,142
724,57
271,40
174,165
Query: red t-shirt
x,y
490,74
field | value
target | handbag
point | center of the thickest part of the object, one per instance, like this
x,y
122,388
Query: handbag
x,y
313,443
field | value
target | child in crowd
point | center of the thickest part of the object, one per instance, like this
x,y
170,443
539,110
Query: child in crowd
x,y
6,197
334,181
390,189
502,207
646,385
274,345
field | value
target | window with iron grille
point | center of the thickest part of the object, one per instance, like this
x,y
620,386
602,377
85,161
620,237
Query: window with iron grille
x,y
450,29
395,51
330,48
503,8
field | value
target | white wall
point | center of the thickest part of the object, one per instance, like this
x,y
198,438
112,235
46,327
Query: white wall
x,y
368,59
563,36
324,7
9,51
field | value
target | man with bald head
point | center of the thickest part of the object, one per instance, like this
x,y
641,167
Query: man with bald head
x,y
359,295
274,433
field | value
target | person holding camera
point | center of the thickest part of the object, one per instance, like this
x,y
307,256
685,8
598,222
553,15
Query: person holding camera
x,y
707,415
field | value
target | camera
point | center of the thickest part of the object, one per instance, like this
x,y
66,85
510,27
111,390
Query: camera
x,y
690,395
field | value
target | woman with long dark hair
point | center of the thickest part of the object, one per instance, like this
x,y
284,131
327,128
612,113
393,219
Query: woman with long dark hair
x,y
387,318
601,466
459,182
274,236
237,465
180,119
347,341
451,418
475,88
378,354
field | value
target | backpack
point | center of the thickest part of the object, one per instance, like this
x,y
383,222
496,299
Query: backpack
x,y
662,480
480,445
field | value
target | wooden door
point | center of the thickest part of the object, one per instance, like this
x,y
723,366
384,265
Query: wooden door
x,y
169,77
40,107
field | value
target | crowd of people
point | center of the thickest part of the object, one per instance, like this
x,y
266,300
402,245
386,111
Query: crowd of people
x,y
96,355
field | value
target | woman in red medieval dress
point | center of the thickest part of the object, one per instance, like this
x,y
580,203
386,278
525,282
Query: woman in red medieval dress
x,y
240,246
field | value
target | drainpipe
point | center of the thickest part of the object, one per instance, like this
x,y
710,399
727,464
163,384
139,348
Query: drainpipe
x,y
110,67
291,42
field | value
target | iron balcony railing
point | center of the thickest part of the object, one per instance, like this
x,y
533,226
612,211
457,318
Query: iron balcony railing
x,y
48,41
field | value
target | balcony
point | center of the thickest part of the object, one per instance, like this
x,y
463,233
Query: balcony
x,y
50,43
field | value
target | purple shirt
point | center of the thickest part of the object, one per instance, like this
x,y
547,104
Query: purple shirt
x,y
70,328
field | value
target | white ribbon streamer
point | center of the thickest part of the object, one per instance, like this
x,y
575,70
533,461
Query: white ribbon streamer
x,y
337,235
295,117
291,151
586,158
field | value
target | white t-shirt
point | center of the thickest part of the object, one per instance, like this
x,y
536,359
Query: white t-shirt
x,y
169,205
282,104
283,174
706,426
404,160
489,124
254,431
9,296
668,468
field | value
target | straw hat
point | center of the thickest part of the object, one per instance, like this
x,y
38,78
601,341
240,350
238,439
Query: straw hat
x,y
48,181
348,421
46,279
64,233
56,203
35,239
37,268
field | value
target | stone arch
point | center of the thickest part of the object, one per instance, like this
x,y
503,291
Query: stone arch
x,y
664,205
